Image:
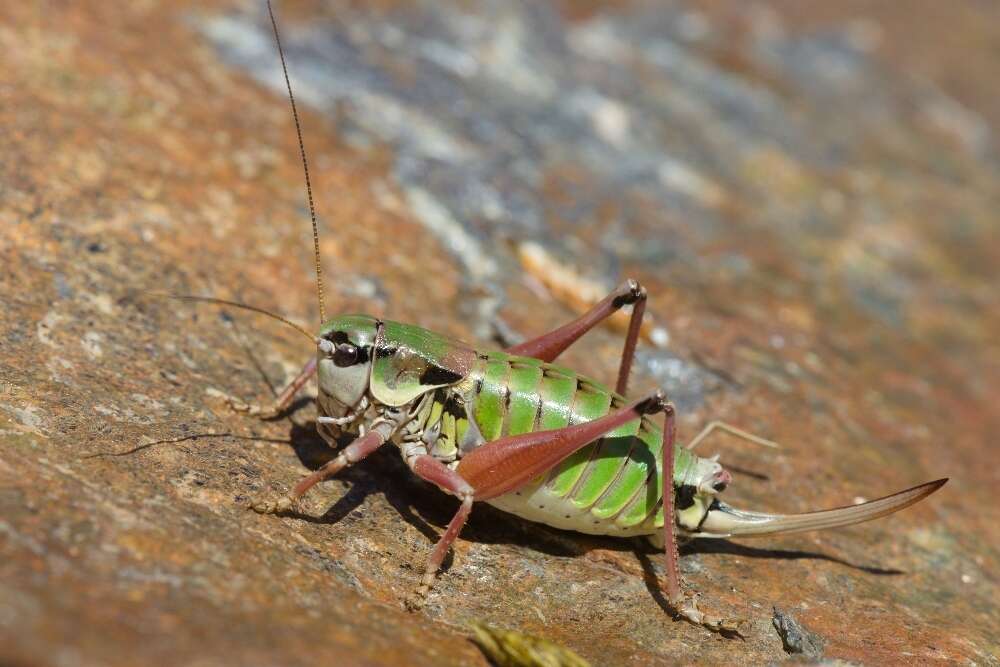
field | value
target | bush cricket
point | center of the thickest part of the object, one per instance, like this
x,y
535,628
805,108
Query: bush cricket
x,y
535,439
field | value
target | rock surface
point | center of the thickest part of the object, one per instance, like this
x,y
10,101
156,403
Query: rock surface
x,y
810,199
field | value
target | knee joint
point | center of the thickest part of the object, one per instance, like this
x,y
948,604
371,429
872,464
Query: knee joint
x,y
657,402
630,293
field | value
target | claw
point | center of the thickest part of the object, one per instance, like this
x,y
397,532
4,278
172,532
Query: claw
x,y
251,409
416,600
279,505
688,610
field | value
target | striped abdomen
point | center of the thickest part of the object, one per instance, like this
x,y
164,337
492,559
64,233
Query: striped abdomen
x,y
610,486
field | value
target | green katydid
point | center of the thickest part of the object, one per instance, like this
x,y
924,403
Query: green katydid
x,y
532,438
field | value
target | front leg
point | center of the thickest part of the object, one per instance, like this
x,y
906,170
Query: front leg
x,y
283,399
350,455
550,345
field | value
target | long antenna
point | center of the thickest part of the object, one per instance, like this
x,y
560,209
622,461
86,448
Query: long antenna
x,y
234,304
305,168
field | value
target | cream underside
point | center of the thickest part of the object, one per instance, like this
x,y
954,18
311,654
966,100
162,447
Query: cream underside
x,y
541,505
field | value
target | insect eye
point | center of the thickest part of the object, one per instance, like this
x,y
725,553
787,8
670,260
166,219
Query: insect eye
x,y
345,355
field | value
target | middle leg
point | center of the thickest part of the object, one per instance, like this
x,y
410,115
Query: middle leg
x,y
429,468
505,464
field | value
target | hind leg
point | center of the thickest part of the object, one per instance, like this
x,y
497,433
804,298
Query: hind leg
x,y
550,345
685,607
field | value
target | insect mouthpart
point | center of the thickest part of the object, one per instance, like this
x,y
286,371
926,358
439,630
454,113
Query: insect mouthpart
x,y
723,481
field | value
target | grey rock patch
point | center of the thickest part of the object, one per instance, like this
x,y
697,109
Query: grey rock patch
x,y
795,638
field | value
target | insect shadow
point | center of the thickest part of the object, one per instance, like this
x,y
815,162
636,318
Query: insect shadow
x,y
651,572
723,546
385,473
382,472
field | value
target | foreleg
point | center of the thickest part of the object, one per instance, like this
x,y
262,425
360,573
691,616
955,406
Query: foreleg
x,y
351,454
283,399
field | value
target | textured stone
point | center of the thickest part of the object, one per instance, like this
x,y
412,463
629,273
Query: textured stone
x,y
795,638
813,213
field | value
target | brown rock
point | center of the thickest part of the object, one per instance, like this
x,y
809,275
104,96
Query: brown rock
x,y
825,266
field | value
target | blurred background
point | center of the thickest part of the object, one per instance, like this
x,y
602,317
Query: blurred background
x,y
808,191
